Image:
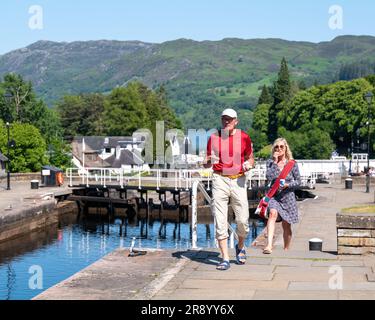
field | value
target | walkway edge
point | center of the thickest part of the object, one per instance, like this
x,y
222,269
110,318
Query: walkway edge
x,y
161,281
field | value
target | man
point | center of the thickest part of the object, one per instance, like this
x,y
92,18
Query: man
x,y
230,153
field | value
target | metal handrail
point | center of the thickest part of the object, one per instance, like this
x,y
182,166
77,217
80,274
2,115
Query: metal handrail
x,y
197,185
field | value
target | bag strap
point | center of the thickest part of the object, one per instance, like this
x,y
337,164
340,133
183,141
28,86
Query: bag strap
x,y
284,173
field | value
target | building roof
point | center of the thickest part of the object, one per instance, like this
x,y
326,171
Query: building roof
x,y
95,145
126,158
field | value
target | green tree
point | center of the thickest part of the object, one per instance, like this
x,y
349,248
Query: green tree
x,y
265,96
302,85
281,92
59,153
309,142
339,109
259,129
25,107
71,115
82,114
125,112
29,154
264,153
282,86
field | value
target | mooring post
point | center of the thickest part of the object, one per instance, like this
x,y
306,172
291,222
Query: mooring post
x,y
194,215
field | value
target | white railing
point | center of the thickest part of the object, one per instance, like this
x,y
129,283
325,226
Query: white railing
x,y
179,179
198,186
257,174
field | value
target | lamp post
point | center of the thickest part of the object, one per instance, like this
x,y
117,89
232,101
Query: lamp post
x,y
9,167
8,97
368,97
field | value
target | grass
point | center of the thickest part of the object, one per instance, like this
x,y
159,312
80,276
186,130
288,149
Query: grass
x,y
360,209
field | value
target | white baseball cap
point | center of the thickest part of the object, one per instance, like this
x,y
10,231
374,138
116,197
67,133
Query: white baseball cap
x,y
230,113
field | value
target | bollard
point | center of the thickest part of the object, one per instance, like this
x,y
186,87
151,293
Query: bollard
x,y
34,184
315,244
348,183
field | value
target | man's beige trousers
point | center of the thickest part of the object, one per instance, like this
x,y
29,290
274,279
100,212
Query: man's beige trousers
x,y
223,190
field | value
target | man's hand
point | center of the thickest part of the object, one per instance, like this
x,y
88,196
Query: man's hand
x,y
248,164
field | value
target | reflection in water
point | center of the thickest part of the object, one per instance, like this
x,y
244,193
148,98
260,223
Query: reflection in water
x,y
11,279
78,241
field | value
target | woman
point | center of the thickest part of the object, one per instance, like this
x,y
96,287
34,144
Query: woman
x,y
283,206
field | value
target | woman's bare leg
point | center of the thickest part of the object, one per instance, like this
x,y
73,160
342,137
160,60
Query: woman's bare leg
x,y
287,234
271,228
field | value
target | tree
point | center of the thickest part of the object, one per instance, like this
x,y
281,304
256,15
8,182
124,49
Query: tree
x,y
309,142
21,105
259,129
24,107
338,109
29,154
282,86
70,109
82,114
125,112
265,96
59,153
281,92
302,85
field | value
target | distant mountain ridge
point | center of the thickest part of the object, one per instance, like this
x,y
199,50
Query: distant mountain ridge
x,y
195,73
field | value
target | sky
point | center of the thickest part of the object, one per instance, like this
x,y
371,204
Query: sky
x,y
23,22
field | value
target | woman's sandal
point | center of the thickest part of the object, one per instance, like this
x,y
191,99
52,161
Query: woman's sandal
x,y
240,255
223,265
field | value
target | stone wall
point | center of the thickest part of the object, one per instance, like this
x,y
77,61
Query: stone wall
x,y
23,221
21,177
355,233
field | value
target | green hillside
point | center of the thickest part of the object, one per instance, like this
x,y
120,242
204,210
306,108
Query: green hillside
x,y
201,78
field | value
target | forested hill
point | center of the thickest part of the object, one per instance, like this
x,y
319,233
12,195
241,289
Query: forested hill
x,y
200,77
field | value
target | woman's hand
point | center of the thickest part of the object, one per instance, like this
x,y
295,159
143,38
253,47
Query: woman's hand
x,y
286,186
275,155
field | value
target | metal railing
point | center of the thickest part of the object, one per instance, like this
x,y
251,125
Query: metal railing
x,y
198,186
178,179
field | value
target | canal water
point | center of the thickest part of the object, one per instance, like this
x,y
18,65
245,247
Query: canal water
x,y
32,264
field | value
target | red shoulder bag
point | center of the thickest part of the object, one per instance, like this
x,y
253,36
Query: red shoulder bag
x,y
263,204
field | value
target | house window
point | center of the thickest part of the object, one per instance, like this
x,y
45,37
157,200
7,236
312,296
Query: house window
x,y
107,150
92,157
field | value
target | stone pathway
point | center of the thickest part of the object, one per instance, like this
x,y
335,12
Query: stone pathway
x,y
191,275
297,274
21,195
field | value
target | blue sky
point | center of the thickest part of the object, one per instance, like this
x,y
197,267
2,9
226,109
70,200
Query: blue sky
x,y
163,20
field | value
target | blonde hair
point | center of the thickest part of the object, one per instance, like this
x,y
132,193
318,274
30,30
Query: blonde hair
x,y
288,152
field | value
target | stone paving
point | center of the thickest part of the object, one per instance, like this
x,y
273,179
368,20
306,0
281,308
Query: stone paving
x,y
191,275
22,195
296,274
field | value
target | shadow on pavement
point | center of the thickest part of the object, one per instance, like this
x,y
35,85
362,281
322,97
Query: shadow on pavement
x,y
204,257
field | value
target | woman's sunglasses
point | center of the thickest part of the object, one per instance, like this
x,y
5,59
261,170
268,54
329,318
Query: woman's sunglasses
x,y
279,147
